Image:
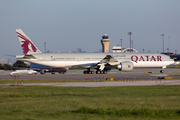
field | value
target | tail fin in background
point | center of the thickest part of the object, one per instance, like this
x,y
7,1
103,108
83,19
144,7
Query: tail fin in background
x,y
27,45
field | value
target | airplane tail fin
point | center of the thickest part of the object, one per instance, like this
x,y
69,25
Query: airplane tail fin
x,y
27,45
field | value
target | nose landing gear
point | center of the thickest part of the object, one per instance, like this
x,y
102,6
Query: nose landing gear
x,y
161,71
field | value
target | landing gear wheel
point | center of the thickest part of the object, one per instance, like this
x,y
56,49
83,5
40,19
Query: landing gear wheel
x,y
92,72
101,72
88,72
98,72
104,72
161,71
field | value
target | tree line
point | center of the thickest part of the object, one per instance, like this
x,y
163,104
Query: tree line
x,y
16,64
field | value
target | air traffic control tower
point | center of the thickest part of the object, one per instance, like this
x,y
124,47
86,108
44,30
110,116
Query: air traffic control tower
x,y
105,43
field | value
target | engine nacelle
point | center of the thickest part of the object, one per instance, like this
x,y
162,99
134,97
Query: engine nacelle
x,y
125,66
42,71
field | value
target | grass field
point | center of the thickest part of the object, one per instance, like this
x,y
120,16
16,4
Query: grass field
x,y
74,103
176,66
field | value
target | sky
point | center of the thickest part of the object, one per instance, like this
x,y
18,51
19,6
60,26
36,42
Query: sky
x,y
66,25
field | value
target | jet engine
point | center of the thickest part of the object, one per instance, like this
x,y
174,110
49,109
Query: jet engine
x,y
43,71
125,66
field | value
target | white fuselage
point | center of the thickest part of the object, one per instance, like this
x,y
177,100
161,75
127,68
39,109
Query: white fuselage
x,y
90,59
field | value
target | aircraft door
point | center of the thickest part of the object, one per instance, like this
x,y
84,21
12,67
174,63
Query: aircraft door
x,y
52,58
77,58
49,58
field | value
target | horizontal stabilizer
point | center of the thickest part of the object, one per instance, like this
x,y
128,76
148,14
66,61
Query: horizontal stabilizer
x,y
10,55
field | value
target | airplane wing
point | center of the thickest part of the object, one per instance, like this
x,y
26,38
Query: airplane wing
x,y
29,57
108,60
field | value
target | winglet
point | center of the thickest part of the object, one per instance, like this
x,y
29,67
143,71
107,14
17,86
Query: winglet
x,y
27,45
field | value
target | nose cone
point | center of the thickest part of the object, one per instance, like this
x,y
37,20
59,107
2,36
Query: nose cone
x,y
172,61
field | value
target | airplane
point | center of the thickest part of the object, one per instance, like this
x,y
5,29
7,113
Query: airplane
x,y
27,71
46,69
102,62
43,69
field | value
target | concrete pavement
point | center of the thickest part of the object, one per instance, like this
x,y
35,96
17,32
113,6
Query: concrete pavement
x,y
108,83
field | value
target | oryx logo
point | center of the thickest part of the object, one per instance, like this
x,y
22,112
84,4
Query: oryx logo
x,y
129,66
26,44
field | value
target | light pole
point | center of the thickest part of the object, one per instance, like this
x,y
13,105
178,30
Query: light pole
x,y
168,51
132,45
130,33
45,46
143,50
169,43
163,41
121,44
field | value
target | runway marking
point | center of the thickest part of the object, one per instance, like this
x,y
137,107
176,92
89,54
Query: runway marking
x,y
167,83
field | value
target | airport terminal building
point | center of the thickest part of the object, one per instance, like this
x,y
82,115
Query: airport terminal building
x,y
123,50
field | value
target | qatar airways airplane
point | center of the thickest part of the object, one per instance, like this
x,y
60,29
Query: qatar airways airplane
x,y
102,62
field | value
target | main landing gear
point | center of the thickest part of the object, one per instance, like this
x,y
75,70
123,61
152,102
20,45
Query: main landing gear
x,y
88,71
101,72
92,72
161,71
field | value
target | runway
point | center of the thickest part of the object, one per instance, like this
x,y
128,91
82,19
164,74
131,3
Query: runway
x,y
132,78
89,76
77,75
